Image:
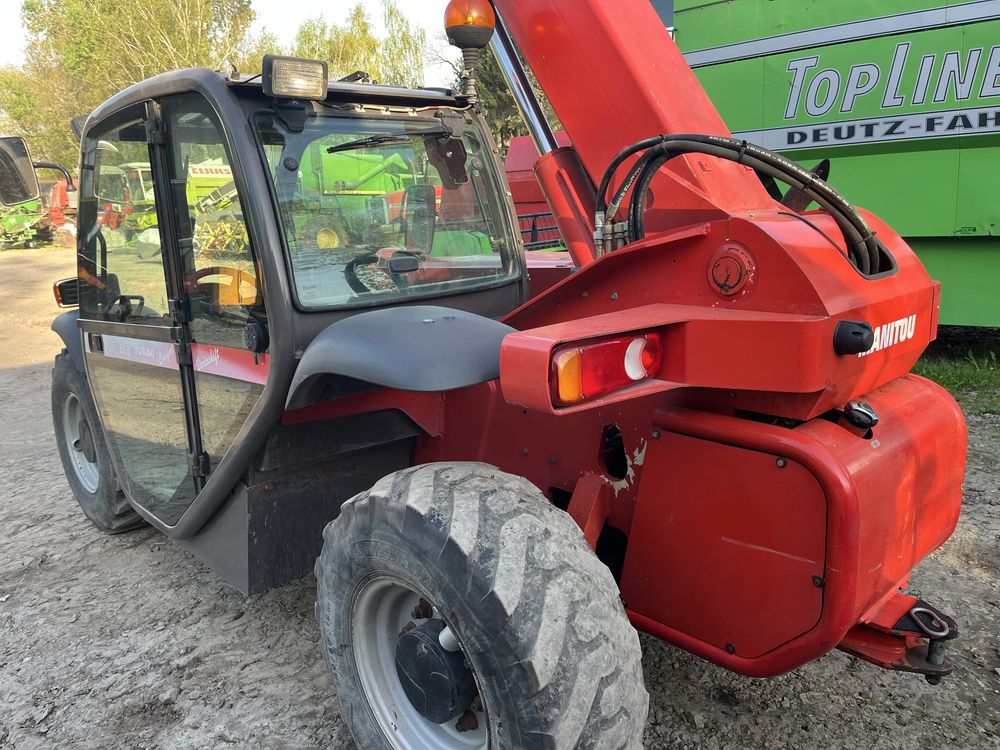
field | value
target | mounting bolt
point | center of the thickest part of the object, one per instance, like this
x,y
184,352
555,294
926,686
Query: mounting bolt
x,y
552,459
614,295
730,648
656,434
524,451
818,582
782,463
584,294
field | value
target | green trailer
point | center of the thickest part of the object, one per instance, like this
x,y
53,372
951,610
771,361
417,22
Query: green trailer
x,y
903,97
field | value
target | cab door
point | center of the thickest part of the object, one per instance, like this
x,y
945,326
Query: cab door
x,y
165,309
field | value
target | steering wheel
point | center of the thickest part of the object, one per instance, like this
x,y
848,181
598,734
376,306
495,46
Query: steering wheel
x,y
228,285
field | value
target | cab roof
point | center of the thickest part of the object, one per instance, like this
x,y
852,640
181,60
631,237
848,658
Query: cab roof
x,y
215,87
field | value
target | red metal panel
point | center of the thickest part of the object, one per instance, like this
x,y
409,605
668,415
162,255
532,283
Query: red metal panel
x,y
891,500
780,334
614,76
738,541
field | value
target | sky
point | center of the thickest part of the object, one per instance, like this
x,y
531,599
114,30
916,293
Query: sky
x,y
275,16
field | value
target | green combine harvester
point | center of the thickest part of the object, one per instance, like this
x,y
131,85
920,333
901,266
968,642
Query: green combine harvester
x,y
903,98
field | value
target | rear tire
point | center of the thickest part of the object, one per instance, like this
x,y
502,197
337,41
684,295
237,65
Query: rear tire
x,y
537,616
84,451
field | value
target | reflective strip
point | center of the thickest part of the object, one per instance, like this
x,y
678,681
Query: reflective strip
x,y
223,361
918,20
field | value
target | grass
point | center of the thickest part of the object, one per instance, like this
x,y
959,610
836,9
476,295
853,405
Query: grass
x,y
966,361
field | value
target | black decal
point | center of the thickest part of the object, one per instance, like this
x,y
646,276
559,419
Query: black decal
x,y
820,135
932,123
869,128
796,136
990,119
959,121
840,135
894,126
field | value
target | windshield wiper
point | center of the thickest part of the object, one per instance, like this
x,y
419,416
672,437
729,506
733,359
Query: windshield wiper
x,y
380,138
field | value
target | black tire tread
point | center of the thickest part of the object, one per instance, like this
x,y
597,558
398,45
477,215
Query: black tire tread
x,y
108,509
560,604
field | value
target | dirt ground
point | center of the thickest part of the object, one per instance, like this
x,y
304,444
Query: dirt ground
x,y
127,642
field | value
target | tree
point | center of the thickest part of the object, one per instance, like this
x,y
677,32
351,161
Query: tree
x,y
497,103
397,59
80,52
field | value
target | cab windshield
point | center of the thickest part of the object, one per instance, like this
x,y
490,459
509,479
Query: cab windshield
x,y
378,209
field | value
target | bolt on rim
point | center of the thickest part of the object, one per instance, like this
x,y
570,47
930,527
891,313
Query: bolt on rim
x,y
87,472
383,610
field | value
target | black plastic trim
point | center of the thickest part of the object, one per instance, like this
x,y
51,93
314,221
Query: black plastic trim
x,y
65,326
415,348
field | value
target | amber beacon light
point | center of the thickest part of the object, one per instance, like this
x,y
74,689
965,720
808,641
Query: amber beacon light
x,y
469,25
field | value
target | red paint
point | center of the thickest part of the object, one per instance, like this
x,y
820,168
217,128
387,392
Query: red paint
x,y
571,197
425,409
723,543
209,359
589,506
858,513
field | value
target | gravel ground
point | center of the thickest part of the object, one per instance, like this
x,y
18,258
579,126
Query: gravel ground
x,y
127,642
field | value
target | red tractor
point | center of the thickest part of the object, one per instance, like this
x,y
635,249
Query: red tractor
x,y
703,428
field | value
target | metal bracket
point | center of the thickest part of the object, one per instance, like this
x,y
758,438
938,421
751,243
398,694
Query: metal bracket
x,y
156,131
199,464
183,351
179,311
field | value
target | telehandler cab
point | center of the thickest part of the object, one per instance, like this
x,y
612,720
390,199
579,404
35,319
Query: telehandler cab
x,y
699,422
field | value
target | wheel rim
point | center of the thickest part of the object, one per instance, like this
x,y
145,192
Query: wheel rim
x,y
87,472
381,611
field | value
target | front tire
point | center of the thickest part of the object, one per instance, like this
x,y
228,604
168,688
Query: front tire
x,y
534,615
84,451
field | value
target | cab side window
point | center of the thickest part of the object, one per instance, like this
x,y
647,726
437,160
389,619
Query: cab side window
x,y
121,267
220,275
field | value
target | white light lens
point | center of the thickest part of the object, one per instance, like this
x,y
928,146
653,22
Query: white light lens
x,y
634,367
297,79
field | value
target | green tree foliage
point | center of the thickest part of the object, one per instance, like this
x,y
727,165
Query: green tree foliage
x,y
80,52
397,59
497,103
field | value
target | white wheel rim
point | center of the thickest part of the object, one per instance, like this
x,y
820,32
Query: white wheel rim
x,y
383,607
87,472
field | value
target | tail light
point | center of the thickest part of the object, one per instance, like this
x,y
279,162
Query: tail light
x,y
585,370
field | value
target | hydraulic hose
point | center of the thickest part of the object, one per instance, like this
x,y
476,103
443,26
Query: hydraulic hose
x,y
864,249
857,246
624,154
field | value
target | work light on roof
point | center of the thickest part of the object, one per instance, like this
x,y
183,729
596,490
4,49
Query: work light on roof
x,y
293,77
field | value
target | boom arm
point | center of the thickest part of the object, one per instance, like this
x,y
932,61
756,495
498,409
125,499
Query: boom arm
x,y
614,76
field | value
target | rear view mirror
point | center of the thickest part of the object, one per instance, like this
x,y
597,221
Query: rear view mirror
x,y
419,212
18,183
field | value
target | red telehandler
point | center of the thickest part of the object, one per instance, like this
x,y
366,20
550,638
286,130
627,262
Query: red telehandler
x,y
700,423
